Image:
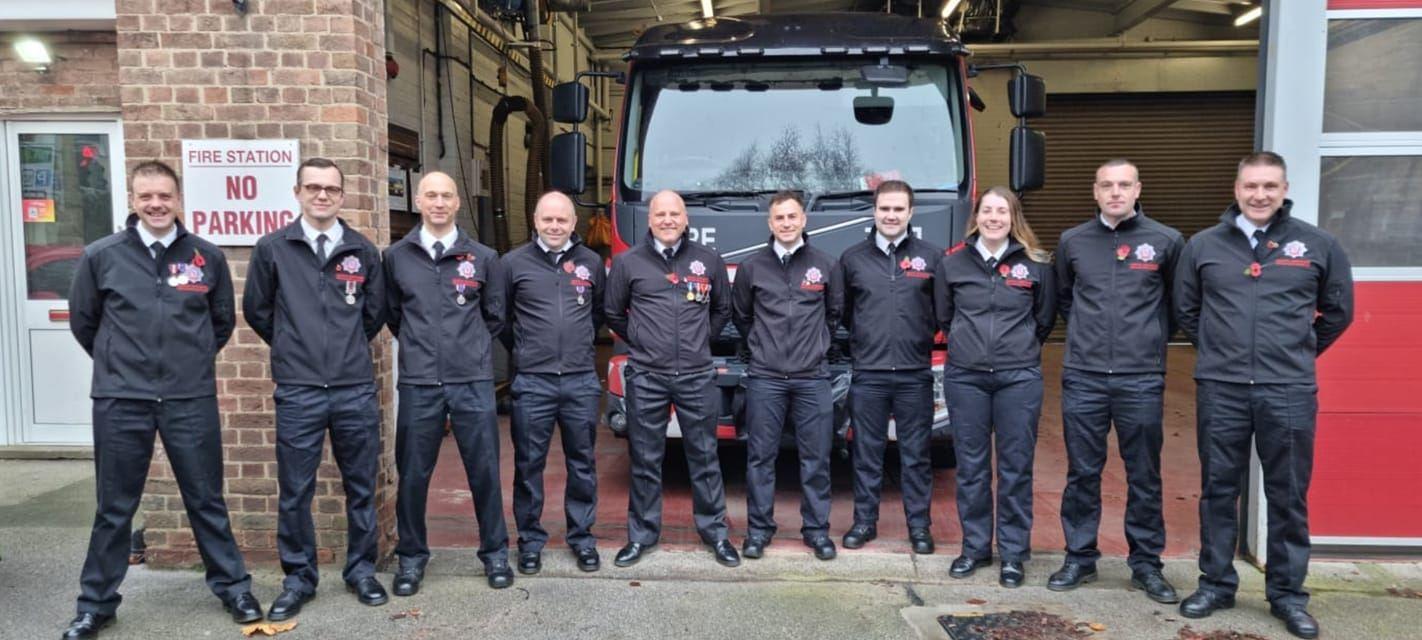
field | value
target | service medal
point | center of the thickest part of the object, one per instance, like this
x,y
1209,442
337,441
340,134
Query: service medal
x,y
460,299
350,298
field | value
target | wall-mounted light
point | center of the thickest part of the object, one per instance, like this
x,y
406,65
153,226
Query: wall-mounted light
x,y
706,10
33,52
1249,16
949,6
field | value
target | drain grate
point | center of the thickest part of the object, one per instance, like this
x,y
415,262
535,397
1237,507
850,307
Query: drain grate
x,y
1013,625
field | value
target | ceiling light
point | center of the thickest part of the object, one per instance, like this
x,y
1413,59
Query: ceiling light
x,y
706,11
1249,16
949,6
32,51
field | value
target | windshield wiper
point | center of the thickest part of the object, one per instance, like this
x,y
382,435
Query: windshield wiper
x,y
817,199
710,195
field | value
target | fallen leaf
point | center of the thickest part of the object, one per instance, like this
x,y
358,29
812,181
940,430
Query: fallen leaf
x,y
976,601
634,583
267,628
1404,592
408,613
1097,626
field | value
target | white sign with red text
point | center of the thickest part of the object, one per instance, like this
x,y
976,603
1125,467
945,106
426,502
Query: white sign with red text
x,y
236,191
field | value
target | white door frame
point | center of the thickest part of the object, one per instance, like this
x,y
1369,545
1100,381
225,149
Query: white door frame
x,y
16,387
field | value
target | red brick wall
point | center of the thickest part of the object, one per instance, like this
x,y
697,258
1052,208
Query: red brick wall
x,y
311,70
84,77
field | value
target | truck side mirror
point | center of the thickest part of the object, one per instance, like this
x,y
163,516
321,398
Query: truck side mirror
x,y
1028,159
569,162
570,102
1027,96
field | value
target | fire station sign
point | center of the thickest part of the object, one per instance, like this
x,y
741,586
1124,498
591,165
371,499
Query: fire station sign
x,y
236,191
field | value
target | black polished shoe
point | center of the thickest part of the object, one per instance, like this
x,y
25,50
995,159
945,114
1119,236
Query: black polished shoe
x,y
1296,620
530,562
858,535
631,554
588,560
823,546
87,625
244,608
1071,576
1202,603
725,553
288,604
963,566
369,591
922,541
1012,574
407,582
1155,586
754,547
499,574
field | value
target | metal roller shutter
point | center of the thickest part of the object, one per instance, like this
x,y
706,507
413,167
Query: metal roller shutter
x,y
1185,144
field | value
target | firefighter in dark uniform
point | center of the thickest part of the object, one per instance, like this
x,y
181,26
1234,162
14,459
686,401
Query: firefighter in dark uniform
x,y
997,304
786,301
1113,276
555,286
153,304
445,300
315,292
1261,295
888,310
666,298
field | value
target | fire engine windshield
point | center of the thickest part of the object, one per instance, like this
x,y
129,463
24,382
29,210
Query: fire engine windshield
x,y
814,125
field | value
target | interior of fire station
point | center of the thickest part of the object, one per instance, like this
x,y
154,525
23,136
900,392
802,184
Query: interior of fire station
x,y
1169,84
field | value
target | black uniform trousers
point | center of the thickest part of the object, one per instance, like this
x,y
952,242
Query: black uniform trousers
x,y
541,401
123,449
807,403
419,431
1280,418
649,398
907,396
1091,403
303,415
995,411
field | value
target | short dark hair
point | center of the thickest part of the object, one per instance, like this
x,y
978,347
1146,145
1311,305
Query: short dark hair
x,y
786,195
1263,159
893,186
154,168
319,163
1119,162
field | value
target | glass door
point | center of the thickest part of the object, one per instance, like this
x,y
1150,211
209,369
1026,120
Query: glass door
x,y
64,188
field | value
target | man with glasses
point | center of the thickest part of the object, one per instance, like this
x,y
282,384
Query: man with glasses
x,y
315,292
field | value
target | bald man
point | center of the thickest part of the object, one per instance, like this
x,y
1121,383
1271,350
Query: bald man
x,y
446,302
555,287
666,298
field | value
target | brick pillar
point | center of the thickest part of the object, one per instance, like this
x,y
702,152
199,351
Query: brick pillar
x,y
311,70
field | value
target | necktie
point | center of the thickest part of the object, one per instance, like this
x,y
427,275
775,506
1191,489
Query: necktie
x,y
321,241
157,248
438,250
1261,247
555,256
991,262
893,246
668,254
785,259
